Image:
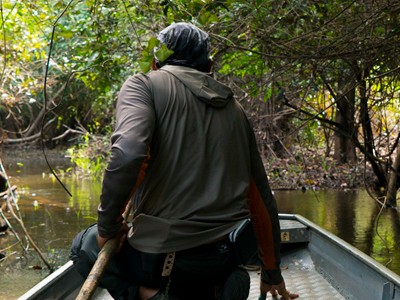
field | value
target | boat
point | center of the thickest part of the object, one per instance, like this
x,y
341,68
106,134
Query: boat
x,y
315,264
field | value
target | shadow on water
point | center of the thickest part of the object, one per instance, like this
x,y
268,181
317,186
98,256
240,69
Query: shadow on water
x,y
53,218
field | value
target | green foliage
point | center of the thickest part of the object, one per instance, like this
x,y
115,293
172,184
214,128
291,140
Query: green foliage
x,y
283,59
152,50
90,155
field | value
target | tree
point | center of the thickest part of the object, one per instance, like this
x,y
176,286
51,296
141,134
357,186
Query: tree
x,y
325,71
393,181
63,63
347,49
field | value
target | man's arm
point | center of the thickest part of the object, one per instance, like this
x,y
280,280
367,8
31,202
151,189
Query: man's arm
x,y
264,216
135,122
265,220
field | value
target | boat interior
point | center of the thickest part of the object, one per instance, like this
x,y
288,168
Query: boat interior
x,y
315,264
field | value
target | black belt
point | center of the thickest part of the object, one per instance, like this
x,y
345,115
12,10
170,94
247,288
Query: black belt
x,y
221,246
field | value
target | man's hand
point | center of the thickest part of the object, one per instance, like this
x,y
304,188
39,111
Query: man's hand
x,y
277,289
120,236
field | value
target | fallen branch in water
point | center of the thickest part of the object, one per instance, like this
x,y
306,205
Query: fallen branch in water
x,y
11,196
7,223
7,256
21,223
8,248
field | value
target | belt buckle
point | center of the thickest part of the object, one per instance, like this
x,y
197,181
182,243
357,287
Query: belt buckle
x,y
223,247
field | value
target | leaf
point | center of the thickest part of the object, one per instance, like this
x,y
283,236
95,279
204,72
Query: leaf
x,y
153,42
145,61
145,66
67,34
163,53
146,57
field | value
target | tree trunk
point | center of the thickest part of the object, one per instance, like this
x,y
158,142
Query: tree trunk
x,y
391,193
368,135
345,109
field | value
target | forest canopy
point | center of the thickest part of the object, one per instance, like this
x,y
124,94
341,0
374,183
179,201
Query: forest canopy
x,y
313,75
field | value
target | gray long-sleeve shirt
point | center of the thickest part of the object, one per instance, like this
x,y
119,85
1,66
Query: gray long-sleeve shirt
x,y
183,148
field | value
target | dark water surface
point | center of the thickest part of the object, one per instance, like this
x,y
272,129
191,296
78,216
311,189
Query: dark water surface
x,y
353,216
53,218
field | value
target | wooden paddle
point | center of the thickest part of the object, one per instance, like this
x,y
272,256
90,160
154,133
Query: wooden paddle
x,y
100,266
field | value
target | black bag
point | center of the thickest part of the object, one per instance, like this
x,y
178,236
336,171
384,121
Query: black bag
x,y
244,242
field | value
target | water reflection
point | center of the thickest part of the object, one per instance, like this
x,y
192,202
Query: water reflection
x,y
52,223
353,216
51,215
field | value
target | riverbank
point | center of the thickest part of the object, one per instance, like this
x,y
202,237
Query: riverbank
x,y
309,171
315,172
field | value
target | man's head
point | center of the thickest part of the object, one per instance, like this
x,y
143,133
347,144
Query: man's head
x,y
191,46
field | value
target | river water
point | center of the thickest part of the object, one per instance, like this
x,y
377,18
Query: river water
x,y
53,218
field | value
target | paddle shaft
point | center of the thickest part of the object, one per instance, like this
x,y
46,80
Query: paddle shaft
x,y
98,269
100,266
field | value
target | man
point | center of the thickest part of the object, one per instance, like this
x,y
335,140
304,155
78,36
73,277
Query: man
x,y
185,153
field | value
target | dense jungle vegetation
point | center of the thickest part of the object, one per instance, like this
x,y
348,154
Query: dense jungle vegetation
x,y
319,79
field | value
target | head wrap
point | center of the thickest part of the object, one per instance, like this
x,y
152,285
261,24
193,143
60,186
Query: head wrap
x,y
190,44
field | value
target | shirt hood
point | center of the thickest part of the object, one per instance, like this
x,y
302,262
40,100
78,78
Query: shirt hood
x,y
202,85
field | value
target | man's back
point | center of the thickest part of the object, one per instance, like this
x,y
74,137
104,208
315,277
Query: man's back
x,y
195,187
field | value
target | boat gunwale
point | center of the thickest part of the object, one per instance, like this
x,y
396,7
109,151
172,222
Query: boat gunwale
x,y
311,226
47,281
353,251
